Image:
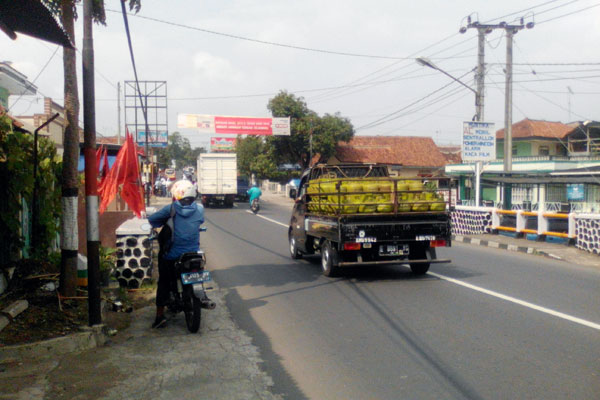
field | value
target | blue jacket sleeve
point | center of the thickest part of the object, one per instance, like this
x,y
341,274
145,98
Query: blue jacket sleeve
x,y
201,212
160,217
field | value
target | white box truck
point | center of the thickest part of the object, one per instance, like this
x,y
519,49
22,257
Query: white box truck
x,y
217,178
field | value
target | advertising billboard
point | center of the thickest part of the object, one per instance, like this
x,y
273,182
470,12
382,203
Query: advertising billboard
x,y
222,144
155,139
214,124
478,141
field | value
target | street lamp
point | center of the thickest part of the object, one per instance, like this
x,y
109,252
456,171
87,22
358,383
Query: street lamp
x,y
428,63
478,165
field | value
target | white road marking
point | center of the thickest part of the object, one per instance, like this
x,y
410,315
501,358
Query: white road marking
x,y
268,219
519,302
514,300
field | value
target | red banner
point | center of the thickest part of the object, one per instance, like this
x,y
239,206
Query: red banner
x,y
243,126
234,125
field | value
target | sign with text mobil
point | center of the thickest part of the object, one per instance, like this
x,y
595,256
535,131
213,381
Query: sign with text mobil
x,y
478,141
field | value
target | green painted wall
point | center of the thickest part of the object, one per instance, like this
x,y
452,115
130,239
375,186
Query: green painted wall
x,y
523,149
488,194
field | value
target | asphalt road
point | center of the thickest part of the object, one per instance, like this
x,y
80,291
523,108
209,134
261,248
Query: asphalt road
x,y
491,325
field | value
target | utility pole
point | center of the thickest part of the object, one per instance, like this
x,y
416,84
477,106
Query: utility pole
x,y
91,169
482,30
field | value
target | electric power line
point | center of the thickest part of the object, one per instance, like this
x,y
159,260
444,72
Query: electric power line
x,y
568,14
232,36
37,76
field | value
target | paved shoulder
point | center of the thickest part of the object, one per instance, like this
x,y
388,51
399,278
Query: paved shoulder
x,y
141,363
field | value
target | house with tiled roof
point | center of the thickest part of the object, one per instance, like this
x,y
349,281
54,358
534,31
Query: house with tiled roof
x,y
544,156
405,155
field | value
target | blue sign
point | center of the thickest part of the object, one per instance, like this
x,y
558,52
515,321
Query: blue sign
x,y
575,191
155,139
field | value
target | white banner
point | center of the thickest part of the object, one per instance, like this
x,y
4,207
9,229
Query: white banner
x,y
479,141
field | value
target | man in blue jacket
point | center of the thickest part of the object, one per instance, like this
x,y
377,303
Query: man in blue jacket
x,y
187,218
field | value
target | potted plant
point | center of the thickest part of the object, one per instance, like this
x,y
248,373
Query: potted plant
x,y
107,264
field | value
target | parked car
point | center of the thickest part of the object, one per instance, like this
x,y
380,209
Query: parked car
x,y
293,187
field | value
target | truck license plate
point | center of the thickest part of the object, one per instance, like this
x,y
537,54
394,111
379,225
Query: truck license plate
x,y
187,278
393,250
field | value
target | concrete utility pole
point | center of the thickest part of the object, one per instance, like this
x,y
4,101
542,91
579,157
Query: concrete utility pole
x,y
91,169
482,30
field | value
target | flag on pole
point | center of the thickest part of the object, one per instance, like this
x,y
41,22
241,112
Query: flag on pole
x,y
125,172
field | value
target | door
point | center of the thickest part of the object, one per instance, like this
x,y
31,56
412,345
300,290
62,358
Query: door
x,y
297,222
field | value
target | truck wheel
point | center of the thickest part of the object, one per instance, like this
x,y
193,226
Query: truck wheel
x,y
419,252
294,247
329,259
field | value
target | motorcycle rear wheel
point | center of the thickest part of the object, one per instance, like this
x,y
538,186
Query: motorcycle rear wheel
x,y
192,311
255,206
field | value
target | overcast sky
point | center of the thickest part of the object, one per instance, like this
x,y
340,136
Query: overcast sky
x,y
355,57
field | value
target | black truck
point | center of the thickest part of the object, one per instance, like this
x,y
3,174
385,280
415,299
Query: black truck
x,y
358,214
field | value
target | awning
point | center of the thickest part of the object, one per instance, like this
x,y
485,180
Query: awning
x,y
31,17
545,179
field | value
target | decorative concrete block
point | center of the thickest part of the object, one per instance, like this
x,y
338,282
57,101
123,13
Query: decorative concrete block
x,y
471,222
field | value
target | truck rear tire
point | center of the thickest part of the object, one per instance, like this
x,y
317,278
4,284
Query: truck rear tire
x,y
294,252
329,259
419,252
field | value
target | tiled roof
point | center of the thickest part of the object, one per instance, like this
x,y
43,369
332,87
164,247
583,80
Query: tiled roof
x,y
528,128
398,150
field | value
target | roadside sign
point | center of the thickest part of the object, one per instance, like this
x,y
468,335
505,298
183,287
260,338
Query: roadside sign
x,y
479,141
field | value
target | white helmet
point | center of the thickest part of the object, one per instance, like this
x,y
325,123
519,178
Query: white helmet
x,y
182,189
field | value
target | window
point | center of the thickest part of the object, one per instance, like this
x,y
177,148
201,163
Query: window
x,y
544,151
514,151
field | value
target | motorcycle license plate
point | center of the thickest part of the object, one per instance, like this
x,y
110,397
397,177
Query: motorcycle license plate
x,y
393,250
187,278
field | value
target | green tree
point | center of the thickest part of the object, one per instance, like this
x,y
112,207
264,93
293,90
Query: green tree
x,y
326,131
255,156
16,173
179,150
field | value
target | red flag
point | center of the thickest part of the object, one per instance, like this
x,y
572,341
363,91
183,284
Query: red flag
x,y
103,172
99,155
132,184
125,171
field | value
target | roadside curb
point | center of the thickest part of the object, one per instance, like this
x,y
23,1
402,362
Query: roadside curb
x,y
503,246
90,338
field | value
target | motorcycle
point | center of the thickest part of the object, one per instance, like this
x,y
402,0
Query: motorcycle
x,y
255,206
188,293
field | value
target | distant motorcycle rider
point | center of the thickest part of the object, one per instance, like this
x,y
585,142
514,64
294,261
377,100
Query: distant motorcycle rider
x,y
187,218
253,193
